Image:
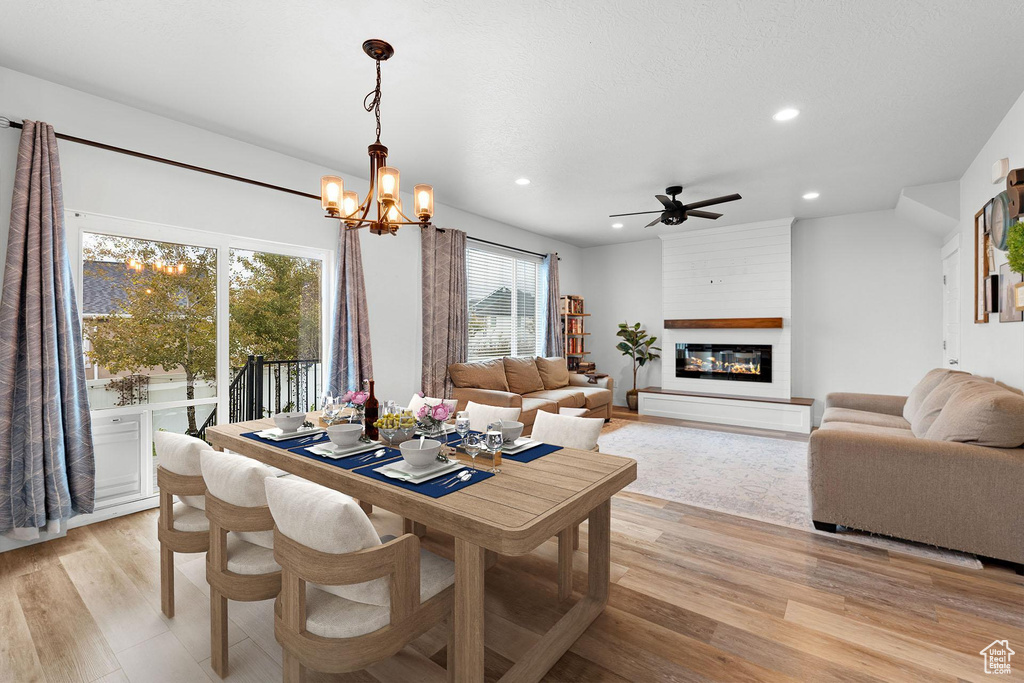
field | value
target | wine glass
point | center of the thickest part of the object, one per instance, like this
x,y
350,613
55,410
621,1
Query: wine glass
x,y
331,409
462,425
493,439
473,444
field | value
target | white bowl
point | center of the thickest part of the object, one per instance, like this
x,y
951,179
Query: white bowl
x,y
345,434
420,457
511,430
289,422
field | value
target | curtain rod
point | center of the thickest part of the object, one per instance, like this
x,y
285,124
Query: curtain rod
x,y
7,123
505,246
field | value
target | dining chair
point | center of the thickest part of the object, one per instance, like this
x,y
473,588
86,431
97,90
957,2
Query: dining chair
x,y
240,564
182,527
348,597
481,415
580,433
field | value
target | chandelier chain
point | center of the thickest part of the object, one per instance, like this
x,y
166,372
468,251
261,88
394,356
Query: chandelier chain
x,y
372,101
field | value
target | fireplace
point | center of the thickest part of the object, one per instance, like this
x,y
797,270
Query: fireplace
x,y
731,362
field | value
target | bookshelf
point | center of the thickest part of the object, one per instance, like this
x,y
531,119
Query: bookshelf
x,y
574,333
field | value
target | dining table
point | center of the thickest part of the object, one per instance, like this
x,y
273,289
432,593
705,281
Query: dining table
x,y
509,513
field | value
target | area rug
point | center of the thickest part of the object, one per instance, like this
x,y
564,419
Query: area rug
x,y
757,477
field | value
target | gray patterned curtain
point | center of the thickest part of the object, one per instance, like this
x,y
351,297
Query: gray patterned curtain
x,y
445,307
350,359
47,469
553,342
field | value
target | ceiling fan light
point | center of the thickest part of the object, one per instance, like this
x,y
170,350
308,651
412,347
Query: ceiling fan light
x,y
387,184
331,189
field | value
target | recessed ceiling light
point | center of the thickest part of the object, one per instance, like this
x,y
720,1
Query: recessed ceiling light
x,y
616,225
523,181
786,114
811,195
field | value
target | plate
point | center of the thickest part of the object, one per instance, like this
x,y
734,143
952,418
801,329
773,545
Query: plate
x,y
400,470
329,450
523,443
276,434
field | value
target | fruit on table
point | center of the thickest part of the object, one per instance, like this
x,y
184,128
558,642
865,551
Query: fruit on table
x,y
396,421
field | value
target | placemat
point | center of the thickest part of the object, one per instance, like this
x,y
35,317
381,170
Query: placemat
x,y
352,461
531,454
432,488
289,443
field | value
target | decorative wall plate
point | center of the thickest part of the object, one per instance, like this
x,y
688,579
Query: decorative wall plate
x,y
1000,223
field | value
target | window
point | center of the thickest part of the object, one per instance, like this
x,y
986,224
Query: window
x,y
504,315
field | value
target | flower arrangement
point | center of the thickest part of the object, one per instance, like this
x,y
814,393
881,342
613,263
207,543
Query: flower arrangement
x,y
432,416
355,399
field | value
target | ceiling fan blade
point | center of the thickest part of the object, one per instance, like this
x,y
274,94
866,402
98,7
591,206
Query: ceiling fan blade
x,y
654,222
716,200
704,214
669,204
635,213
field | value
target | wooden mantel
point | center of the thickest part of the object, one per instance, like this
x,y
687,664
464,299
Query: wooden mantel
x,y
723,323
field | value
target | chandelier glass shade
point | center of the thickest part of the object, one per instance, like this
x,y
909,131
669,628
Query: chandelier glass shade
x,y
381,210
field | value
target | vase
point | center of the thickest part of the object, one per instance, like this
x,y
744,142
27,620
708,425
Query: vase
x,y
632,397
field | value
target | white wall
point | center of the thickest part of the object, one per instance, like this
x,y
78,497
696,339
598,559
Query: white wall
x,y
735,271
102,182
622,283
867,305
992,349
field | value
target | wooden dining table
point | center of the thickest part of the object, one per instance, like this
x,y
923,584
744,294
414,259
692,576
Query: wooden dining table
x,y
511,513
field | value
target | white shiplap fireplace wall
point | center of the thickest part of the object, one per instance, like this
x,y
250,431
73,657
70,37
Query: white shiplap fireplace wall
x,y
738,271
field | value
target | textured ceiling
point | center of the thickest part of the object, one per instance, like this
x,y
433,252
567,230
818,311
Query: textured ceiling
x,y
601,104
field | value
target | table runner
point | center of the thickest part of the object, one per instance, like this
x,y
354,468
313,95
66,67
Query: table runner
x,y
288,444
353,461
432,488
529,455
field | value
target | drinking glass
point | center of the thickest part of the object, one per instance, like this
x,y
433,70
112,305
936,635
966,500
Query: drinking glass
x,y
473,444
331,409
493,440
462,425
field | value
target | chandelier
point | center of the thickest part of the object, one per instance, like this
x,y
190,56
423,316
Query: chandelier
x,y
381,210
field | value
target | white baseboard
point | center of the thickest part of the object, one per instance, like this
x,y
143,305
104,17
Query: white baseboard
x,y
761,415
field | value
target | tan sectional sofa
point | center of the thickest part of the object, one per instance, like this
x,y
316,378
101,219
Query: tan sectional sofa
x,y
943,466
531,384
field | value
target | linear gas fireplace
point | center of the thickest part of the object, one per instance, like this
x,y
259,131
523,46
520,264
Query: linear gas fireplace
x,y
732,362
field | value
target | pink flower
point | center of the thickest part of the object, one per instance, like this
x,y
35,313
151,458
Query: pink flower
x,y
440,412
359,397
420,394
347,398
422,412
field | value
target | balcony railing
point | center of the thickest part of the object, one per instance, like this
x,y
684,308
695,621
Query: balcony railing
x,y
266,387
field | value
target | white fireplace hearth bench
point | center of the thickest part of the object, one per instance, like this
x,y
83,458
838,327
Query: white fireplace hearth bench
x,y
762,412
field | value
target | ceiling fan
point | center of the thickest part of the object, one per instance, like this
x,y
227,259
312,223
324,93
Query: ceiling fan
x,y
675,212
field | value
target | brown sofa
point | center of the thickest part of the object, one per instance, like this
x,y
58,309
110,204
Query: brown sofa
x,y
531,384
943,466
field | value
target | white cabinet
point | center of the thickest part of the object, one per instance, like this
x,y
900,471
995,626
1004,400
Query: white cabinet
x,y
122,471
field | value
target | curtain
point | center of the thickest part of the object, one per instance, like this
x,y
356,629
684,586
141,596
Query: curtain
x,y
553,342
350,360
47,468
445,307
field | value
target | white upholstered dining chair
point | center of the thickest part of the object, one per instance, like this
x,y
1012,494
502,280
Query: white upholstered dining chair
x,y
481,415
580,433
181,527
240,563
348,597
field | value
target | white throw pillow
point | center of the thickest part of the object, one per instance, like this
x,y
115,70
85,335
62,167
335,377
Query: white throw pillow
x,y
180,453
569,432
328,521
238,480
481,415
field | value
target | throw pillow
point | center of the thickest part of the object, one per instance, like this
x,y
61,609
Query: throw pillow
x,y
983,414
936,401
522,376
489,374
553,372
920,392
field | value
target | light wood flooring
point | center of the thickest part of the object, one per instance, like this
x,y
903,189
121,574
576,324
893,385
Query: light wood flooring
x,y
697,595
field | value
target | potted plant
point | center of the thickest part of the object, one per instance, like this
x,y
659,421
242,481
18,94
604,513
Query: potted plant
x,y
640,348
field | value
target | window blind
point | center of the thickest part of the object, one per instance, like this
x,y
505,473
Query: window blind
x,y
503,304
